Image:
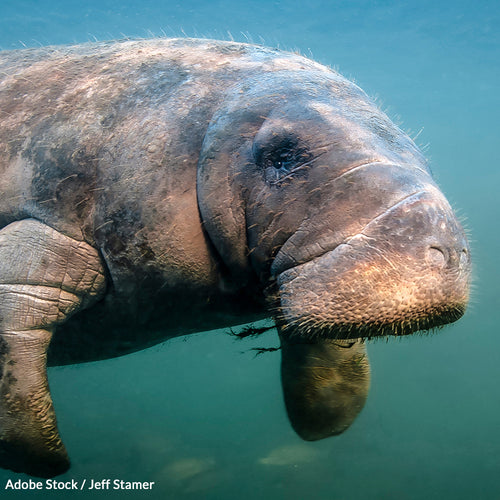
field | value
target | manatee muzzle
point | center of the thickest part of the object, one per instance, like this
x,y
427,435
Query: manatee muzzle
x,y
407,270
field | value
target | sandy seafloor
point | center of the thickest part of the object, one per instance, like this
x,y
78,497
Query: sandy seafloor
x,y
204,418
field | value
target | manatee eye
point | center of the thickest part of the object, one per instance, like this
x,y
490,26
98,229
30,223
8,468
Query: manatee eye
x,y
282,160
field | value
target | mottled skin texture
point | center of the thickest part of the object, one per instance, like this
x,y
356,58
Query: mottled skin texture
x,y
155,188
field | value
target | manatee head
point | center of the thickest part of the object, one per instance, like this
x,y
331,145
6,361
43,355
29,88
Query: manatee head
x,y
306,184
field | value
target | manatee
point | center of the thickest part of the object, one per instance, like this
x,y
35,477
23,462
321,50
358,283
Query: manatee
x,y
157,188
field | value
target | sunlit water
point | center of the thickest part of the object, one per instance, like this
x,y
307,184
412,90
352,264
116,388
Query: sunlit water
x,y
203,417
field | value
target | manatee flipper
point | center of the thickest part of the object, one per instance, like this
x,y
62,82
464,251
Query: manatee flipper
x,y
325,384
45,276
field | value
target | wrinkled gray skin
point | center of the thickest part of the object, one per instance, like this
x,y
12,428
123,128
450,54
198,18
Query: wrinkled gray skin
x,y
155,188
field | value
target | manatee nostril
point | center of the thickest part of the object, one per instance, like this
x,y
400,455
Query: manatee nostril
x,y
435,257
464,258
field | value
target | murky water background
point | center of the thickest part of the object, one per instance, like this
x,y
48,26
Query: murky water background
x,y
204,418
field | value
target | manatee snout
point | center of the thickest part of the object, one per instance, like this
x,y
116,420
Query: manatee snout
x,y
407,270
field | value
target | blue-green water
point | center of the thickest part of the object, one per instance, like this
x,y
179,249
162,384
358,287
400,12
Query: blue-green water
x,y
199,415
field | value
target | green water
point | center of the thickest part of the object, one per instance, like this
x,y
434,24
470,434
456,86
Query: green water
x,y
200,417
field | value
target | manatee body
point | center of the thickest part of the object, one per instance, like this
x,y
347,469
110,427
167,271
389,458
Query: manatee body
x,y
155,188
